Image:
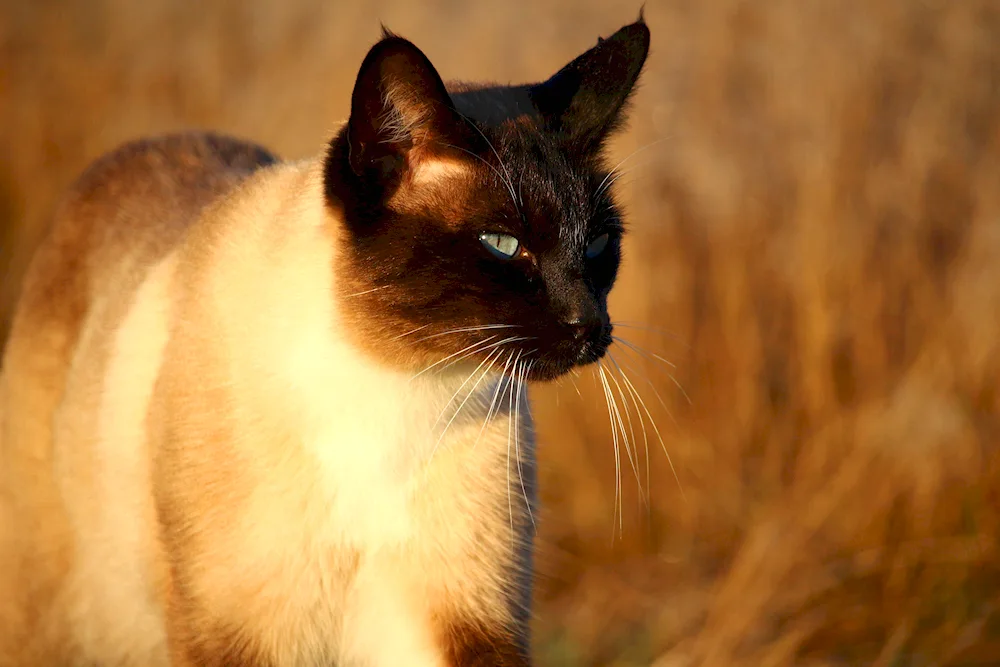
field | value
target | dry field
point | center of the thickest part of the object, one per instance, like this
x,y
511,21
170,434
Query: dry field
x,y
814,196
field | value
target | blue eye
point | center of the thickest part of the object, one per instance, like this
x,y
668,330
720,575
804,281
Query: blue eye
x,y
597,246
503,246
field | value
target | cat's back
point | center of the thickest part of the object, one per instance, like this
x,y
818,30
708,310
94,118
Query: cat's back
x,y
131,205
123,214
126,211
118,222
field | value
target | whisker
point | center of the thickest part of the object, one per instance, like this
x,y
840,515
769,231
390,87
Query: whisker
x,y
467,397
367,291
650,355
520,181
621,427
462,386
609,183
659,437
494,405
484,327
654,330
517,444
652,386
512,339
454,354
645,353
642,425
614,439
628,177
632,459
478,157
601,188
510,424
510,185
410,332
482,346
648,381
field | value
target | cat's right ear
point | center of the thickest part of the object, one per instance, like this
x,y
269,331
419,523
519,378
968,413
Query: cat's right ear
x,y
584,101
400,110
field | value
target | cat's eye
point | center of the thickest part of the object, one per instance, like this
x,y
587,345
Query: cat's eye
x,y
503,246
597,246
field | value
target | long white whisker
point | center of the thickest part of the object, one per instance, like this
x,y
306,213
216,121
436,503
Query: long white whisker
x,y
643,352
659,437
473,347
494,405
508,182
621,428
512,339
510,424
489,358
646,378
410,332
462,386
650,355
614,439
517,444
485,327
653,330
609,183
633,459
478,157
600,188
642,425
468,351
367,291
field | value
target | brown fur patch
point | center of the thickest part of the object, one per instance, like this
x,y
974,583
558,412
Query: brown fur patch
x,y
467,643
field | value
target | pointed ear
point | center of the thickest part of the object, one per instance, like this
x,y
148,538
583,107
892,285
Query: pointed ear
x,y
399,105
584,100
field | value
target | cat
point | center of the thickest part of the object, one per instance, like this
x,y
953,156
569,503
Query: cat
x,y
266,413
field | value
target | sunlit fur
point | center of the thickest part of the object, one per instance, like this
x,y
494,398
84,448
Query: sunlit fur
x,y
264,413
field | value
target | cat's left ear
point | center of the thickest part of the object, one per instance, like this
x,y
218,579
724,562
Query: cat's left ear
x,y
399,106
584,100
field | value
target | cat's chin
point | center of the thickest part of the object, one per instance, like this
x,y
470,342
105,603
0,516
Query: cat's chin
x,y
547,370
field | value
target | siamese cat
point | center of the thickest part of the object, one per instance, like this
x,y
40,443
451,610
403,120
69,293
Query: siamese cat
x,y
266,413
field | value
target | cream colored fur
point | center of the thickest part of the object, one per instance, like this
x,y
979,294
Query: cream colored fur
x,y
326,513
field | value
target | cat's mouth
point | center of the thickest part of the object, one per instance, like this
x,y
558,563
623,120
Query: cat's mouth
x,y
570,355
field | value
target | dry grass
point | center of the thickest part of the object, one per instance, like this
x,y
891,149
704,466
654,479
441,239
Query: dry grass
x,y
816,244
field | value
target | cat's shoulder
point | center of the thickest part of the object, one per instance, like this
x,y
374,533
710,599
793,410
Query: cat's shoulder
x,y
133,202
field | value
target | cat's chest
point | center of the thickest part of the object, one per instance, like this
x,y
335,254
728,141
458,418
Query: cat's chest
x,y
351,541
385,464
370,481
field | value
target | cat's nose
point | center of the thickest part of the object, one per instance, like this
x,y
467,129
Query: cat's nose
x,y
582,323
579,312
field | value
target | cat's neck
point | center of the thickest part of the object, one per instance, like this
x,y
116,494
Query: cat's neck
x,y
274,295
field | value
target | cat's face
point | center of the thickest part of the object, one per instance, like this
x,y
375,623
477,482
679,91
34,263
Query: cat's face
x,y
479,225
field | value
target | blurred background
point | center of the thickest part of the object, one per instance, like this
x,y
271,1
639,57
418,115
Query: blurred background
x,y
811,287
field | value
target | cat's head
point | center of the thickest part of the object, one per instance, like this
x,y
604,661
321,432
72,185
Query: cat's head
x,y
477,221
